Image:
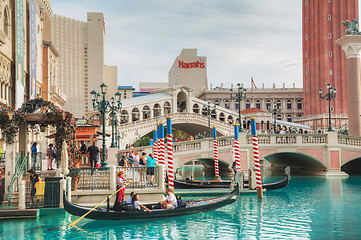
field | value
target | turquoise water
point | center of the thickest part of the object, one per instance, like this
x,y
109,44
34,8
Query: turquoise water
x,y
309,208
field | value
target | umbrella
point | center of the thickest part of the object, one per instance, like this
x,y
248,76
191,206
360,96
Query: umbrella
x,y
64,159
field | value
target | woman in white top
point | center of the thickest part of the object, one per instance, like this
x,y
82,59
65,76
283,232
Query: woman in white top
x,y
137,205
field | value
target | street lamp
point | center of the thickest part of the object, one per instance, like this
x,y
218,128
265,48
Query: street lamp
x,y
275,110
207,110
115,107
329,96
239,96
100,104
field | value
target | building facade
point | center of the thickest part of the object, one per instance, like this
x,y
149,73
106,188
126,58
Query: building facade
x,y
288,100
323,60
190,70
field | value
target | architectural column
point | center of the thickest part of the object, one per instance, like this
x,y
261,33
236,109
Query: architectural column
x,y
351,44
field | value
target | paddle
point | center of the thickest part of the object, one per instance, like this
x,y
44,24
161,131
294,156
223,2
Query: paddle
x,y
76,221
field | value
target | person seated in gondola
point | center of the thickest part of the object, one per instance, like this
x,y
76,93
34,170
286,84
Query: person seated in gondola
x,y
170,202
205,182
188,179
180,202
129,201
121,182
137,205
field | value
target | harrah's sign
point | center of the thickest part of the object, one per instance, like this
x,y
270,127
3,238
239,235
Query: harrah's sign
x,y
197,64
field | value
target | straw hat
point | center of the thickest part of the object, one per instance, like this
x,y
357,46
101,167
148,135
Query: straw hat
x,y
120,172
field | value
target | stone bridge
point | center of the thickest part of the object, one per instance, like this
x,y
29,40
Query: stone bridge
x,y
327,154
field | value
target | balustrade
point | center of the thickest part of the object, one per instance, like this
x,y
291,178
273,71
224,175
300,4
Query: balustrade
x,y
349,140
313,138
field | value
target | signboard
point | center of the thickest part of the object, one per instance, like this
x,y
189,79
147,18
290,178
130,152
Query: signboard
x,y
19,56
32,82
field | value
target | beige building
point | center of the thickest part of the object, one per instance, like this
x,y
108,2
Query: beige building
x,y
190,70
288,100
126,91
152,86
81,63
110,79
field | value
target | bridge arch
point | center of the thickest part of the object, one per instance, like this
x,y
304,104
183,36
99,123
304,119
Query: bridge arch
x,y
298,162
167,108
135,114
352,166
199,170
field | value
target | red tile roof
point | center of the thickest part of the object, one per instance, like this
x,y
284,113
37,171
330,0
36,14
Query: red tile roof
x,y
252,110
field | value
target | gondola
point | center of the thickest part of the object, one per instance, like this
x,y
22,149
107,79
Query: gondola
x,y
181,184
192,207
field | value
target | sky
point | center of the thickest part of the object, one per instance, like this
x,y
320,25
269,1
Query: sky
x,y
240,38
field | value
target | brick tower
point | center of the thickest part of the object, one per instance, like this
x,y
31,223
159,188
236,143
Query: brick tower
x,y
323,60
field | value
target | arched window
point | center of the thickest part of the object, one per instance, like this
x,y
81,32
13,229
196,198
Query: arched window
x,y
299,104
146,112
213,114
258,104
216,102
248,104
279,117
289,118
135,114
6,22
268,104
156,110
221,117
167,108
195,108
124,117
279,104
289,104
230,119
226,104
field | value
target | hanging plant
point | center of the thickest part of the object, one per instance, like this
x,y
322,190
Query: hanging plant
x,y
9,127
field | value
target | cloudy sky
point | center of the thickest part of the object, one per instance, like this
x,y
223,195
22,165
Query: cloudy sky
x,y
240,38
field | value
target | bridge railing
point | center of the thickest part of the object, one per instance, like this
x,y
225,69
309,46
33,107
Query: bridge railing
x,y
314,138
349,140
186,146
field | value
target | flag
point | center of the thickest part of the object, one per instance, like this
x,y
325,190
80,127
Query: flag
x,y
253,84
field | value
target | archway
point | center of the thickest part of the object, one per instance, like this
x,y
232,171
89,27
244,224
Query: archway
x,y
182,102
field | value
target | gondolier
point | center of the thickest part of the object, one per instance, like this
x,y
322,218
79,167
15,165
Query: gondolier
x,y
121,181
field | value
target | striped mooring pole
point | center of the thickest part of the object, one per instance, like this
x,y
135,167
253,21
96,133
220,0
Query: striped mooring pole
x,y
155,144
215,150
257,165
170,153
162,150
237,155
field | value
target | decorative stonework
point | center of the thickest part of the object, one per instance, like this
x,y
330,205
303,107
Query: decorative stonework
x,y
351,44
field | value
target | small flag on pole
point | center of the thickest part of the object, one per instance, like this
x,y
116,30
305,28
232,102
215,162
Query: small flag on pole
x,y
253,84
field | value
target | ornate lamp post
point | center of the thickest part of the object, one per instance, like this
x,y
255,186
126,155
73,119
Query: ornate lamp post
x,y
207,110
275,110
115,107
100,104
329,96
239,96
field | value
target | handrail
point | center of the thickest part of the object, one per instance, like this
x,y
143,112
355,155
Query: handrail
x,y
19,167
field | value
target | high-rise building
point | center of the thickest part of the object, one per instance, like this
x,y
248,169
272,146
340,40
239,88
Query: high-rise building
x,y
323,60
189,69
81,63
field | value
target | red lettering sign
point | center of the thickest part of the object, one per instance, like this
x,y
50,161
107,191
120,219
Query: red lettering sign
x,y
197,64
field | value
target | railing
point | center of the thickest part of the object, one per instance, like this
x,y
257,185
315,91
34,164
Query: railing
x,y
138,177
349,140
36,161
47,194
20,164
186,146
314,138
93,179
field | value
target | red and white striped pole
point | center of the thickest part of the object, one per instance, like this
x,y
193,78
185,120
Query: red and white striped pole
x,y
170,153
237,155
215,149
257,165
162,150
155,144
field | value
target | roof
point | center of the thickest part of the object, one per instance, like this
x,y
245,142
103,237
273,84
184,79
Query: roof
x,y
294,124
252,110
126,87
146,99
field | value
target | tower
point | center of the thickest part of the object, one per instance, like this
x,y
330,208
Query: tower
x,y
323,60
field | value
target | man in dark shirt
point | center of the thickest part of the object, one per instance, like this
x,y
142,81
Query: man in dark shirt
x,y
93,154
83,147
34,179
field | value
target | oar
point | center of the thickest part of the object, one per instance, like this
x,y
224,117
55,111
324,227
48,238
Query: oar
x,y
76,221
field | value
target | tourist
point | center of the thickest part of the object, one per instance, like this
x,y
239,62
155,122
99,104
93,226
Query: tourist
x,y
142,164
55,156
180,202
34,152
121,183
129,201
170,202
93,151
83,147
150,169
122,162
33,179
49,153
137,205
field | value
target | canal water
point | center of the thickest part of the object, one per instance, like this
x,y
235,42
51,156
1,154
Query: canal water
x,y
309,208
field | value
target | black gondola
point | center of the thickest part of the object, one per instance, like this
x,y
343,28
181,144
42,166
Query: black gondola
x,y
192,207
181,184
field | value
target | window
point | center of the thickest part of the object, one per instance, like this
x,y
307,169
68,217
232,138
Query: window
x,y
332,109
329,17
268,104
306,71
307,106
237,106
289,118
330,53
279,117
306,37
248,104
216,102
279,104
6,22
306,54
258,104
226,104
306,88
329,36
331,72
289,104
305,20
299,104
